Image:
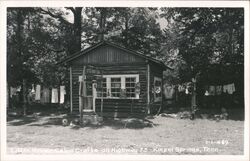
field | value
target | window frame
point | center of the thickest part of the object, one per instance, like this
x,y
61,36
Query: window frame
x,y
123,85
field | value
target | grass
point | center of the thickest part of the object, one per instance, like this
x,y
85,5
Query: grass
x,y
156,135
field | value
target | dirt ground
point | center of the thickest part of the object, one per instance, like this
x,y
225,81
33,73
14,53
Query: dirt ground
x,y
45,134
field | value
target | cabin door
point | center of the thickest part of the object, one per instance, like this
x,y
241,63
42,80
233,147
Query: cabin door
x,y
87,102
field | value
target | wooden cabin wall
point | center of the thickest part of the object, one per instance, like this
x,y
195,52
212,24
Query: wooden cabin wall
x,y
116,107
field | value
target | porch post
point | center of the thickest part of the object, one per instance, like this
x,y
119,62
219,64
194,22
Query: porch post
x,y
148,88
83,94
71,97
94,93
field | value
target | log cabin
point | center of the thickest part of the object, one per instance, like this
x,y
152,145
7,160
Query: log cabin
x,y
130,86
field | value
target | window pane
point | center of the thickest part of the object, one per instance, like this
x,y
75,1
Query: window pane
x,y
127,84
115,87
115,79
130,87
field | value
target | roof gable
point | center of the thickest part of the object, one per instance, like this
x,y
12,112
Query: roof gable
x,y
108,55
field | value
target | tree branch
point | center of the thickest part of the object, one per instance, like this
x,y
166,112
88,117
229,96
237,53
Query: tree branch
x,y
57,51
57,16
71,9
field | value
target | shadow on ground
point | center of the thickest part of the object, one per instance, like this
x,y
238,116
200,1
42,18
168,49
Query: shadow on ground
x,y
129,123
49,116
56,120
36,114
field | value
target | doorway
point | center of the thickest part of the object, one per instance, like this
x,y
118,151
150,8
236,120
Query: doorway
x,y
87,100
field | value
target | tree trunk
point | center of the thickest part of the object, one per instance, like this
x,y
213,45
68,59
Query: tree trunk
x,y
24,97
77,29
126,29
102,23
19,33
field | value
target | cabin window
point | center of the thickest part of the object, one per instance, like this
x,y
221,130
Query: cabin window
x,y
102,88
115,87
130,86
157,89
119,86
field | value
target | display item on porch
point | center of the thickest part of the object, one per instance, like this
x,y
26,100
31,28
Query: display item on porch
x,y
38,92
157,90
62,94
54,96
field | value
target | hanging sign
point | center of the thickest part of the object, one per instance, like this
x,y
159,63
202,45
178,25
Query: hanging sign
x,y
157,90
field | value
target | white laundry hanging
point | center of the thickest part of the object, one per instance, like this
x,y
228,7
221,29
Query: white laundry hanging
x,y
62,94
54,95
229,88
38,93
45,95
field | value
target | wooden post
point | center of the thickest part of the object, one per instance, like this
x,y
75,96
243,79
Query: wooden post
x,y
101,95
83,94
94,93
148,88
71,84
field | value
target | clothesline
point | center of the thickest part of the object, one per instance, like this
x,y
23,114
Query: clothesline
x,y
46,95
217,90
210,90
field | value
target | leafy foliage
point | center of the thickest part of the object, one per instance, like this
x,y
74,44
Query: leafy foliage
x,y
33,48
207,38
208,41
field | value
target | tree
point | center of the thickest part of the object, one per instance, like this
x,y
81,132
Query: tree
x,y
33,49
72,31
19,72
208,37
137,29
